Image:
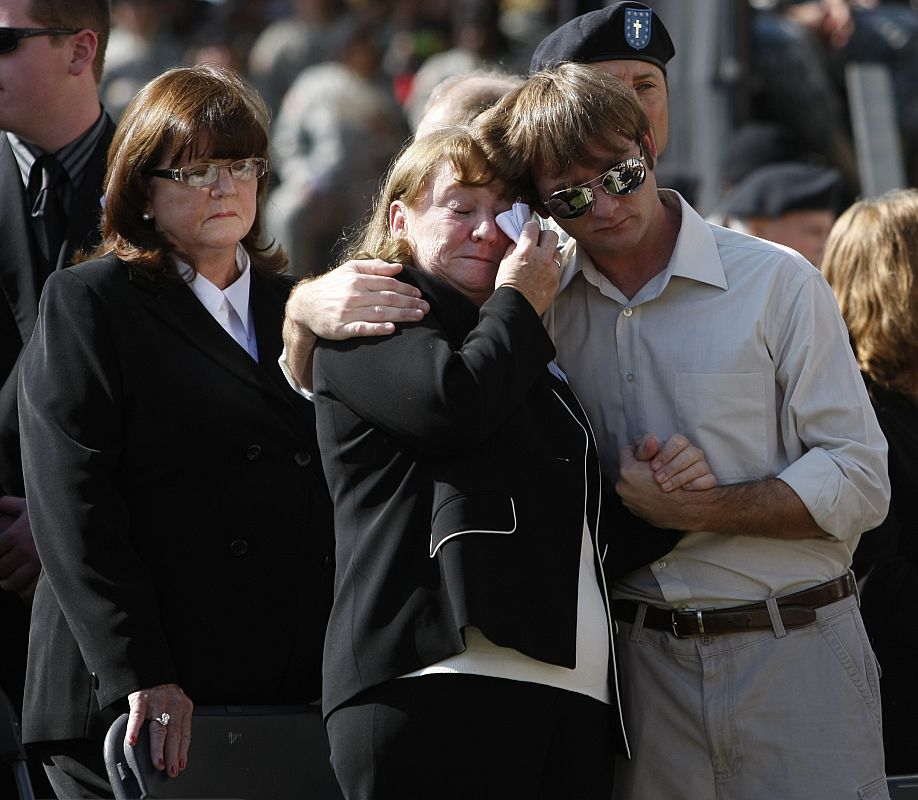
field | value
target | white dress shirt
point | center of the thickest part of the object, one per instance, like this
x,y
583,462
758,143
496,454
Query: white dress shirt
x,y
590,677
738,344
229,306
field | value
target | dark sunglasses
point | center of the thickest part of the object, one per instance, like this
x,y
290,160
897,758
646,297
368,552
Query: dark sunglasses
x,y
9,37
623,178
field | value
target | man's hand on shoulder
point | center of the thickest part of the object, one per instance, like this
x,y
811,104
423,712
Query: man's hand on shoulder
x,y
359,298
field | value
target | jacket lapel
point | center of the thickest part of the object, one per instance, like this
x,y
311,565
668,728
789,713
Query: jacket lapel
x,y
21,270
19,281
83,231
176,306
268,298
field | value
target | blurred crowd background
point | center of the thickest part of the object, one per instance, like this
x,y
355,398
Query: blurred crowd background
x,y
752,82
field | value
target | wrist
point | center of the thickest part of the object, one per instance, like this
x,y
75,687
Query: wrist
x,y
696,509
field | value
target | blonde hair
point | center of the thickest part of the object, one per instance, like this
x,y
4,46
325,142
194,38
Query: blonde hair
x,y
558,117
407,181
871,262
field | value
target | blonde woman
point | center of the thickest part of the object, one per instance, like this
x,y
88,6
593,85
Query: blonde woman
x,y
871,262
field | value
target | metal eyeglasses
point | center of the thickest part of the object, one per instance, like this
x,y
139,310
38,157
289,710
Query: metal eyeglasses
x,y
205,174
621,179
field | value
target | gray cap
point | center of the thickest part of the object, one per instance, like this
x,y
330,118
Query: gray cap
x,y
777,189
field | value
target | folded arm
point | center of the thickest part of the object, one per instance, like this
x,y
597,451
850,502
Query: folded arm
x,y
761,508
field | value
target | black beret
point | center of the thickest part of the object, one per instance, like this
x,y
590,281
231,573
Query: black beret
x,y
777,189
620,31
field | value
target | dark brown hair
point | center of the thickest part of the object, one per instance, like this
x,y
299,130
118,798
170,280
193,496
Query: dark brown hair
x,y
180,114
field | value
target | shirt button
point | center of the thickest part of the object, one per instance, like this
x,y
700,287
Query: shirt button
x,y
302,458
627,312
253,452
630,377
239,547
661,564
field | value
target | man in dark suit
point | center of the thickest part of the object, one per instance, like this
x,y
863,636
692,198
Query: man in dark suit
x,y
49,105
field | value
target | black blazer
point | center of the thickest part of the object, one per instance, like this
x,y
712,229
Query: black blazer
x,y
22,274
890,553
462,471
23,271
177,502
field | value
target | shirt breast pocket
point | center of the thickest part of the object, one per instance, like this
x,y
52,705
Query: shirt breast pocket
x,y
725,415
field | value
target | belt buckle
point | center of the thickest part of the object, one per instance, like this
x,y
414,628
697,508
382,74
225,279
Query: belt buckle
x,y
698,617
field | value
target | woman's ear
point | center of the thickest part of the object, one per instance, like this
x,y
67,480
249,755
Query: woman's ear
x,y
398,218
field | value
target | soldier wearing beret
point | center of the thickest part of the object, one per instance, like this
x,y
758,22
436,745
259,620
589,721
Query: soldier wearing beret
x,y
789,203
627,40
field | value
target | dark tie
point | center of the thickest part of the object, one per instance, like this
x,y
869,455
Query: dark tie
x,y
48,221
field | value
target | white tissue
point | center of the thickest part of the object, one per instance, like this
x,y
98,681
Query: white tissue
x,y
511,222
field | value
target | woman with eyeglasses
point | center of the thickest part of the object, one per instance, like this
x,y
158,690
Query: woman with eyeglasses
x,y
468,651
176,493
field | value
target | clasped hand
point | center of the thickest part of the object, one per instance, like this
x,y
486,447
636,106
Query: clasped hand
x,y
655,481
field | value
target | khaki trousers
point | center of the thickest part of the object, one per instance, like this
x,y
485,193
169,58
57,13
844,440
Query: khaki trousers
x,y
763,715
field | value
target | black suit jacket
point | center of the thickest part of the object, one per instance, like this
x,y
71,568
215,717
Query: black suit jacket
x,y
187,537
23,271
462,472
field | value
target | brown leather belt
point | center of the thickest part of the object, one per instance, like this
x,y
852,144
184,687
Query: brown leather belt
x,y
796,610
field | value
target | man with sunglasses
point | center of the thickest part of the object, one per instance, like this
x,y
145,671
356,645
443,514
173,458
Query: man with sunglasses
x,y
746,669
625,39
51,56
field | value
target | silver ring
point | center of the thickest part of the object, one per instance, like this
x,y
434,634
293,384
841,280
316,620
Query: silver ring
x,y
557,262
163,719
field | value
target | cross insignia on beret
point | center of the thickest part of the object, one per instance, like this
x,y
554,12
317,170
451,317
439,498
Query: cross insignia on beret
x,y
637,27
